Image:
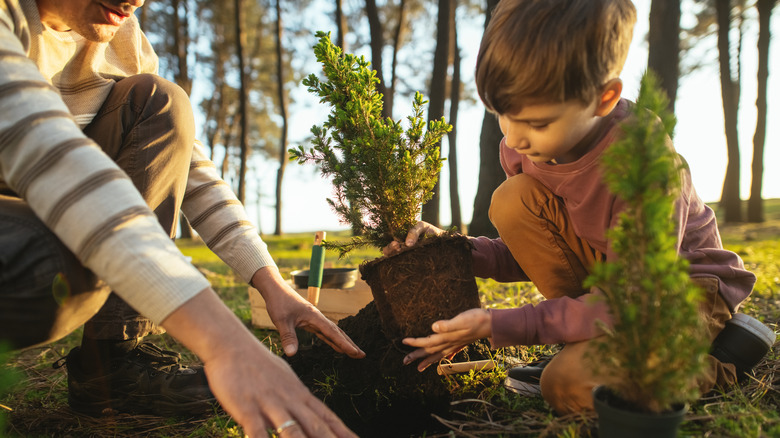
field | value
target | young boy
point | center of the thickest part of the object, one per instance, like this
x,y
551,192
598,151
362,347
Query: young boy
x,y
550,71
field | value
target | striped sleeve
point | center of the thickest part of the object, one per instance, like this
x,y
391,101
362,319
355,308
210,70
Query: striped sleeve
x,y
79,192
220,219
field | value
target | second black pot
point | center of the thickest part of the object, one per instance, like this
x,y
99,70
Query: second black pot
x,y
615,422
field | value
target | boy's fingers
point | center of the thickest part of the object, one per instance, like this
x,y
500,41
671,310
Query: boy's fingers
x,y
412,237
426,363
414,233
391,248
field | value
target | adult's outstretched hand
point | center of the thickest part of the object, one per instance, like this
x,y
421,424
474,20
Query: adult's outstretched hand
x,y
289,310
253,385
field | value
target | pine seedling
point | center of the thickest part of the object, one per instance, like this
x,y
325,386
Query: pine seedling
x,y
657,345
382,174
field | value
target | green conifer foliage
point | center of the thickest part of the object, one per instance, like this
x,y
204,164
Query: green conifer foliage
x,y
657,344
382,174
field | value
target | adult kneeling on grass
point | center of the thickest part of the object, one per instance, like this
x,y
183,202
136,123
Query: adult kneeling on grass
x,y
97,158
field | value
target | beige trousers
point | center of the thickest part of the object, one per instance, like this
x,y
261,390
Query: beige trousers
x,y
146,126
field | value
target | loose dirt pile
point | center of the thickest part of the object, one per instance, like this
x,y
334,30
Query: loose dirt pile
x,y
378,396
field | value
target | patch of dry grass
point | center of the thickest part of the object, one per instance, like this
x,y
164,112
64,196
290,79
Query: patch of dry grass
x,y
39,407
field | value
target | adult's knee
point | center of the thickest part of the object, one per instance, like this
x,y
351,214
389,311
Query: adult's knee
x,y
559,389
158,93
147,105
146,126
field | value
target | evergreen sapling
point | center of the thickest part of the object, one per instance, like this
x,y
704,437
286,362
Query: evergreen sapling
x,y
382,174
657,345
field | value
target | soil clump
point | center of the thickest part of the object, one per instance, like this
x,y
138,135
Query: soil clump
x,y
430,281
378,396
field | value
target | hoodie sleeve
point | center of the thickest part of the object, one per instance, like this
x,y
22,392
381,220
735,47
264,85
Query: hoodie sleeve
x,y
492,259
555,321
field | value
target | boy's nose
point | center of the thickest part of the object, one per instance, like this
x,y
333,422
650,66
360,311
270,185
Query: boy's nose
x,y
515,140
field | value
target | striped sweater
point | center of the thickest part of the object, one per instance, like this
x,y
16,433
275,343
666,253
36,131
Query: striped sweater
x,y
51,85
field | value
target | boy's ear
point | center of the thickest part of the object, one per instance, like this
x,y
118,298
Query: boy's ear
x,y
610,96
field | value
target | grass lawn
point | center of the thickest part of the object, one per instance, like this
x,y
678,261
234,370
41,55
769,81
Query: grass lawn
x,y
36,406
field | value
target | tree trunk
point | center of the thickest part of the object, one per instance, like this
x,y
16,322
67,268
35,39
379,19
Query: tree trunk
x,y
664,45
755,211
730,202
377,44
234,120
341,26
430,211
219,114
491,175
181,42
143,16
397,41
283,112
242,101
452,159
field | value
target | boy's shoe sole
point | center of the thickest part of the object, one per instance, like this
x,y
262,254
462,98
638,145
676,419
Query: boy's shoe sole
x,y
744,341
525,380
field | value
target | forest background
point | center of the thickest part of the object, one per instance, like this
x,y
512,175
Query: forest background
x,y
714,57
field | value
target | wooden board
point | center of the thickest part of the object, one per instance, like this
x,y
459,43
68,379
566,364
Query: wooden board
x,y
335,304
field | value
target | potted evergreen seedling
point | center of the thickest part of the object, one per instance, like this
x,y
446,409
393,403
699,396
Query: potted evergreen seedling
x,y
382,175
656,346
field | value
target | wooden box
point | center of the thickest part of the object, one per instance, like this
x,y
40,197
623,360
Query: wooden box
x,y
335,304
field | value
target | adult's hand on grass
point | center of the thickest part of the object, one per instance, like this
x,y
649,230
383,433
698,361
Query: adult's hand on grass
x,y
449,337
289,310
256,387
419,229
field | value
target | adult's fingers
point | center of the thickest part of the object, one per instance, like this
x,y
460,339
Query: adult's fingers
x,y
274,399
319,421
288,337
332,335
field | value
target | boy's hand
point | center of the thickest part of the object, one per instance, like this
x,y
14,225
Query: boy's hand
x,y
449,337
289,310
419,229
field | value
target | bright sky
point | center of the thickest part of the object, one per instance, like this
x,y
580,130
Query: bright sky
x,y
699,138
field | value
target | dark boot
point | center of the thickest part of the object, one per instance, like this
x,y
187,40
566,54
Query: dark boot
x,y
143,380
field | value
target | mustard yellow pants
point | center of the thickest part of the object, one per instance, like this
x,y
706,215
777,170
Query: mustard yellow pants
x,y
536,227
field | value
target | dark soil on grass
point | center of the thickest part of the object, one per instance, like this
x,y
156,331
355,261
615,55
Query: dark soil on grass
x,y
378,396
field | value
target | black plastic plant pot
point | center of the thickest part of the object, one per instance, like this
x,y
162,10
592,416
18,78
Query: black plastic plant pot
x,y
618,422
332,278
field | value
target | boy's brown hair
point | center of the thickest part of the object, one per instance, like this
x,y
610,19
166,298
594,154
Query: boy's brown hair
x,y
552,51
